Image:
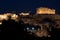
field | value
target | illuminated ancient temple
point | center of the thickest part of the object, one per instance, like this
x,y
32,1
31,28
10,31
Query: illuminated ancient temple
x,y
44,10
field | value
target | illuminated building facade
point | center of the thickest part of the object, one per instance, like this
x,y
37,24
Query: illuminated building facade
x,y
43,10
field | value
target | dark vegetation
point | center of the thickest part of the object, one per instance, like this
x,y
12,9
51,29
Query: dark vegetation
x,y
15,30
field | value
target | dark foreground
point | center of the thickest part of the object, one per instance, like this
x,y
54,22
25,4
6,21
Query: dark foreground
x,y
13,30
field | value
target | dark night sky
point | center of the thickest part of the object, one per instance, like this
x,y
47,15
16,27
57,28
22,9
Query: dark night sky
x,y
27,5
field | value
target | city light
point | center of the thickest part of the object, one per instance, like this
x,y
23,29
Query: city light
x,y
0,23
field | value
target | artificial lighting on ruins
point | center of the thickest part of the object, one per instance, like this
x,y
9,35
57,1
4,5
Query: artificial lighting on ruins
x,y
24,14
3,17
44,10
14,17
